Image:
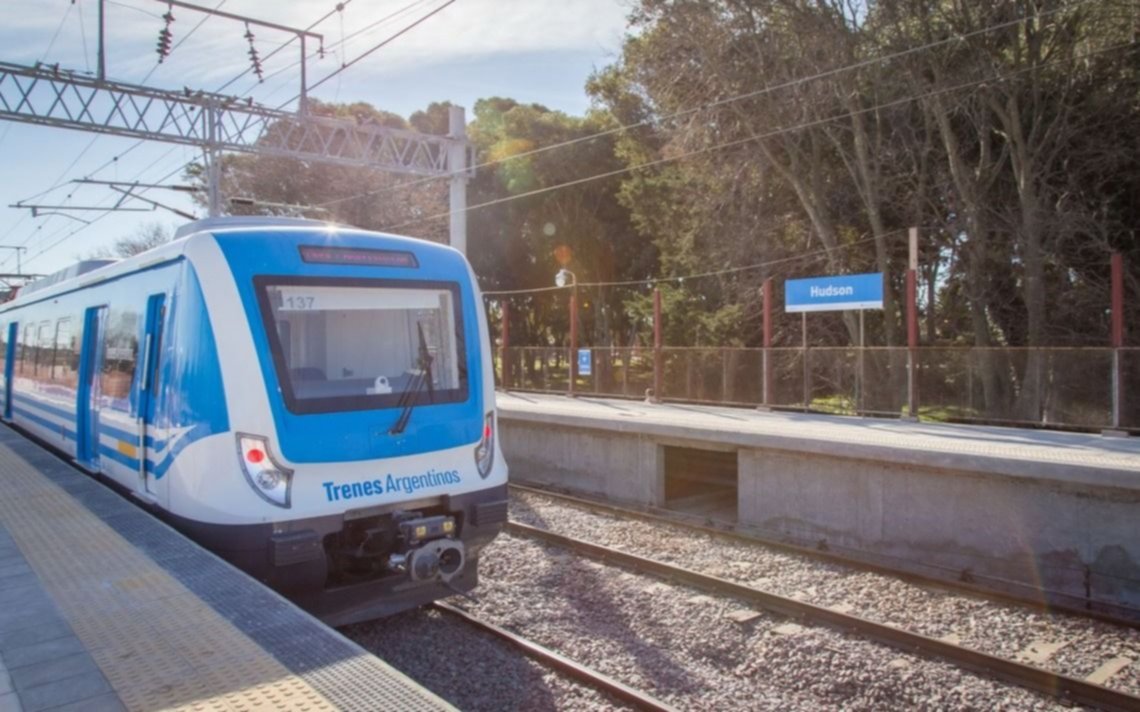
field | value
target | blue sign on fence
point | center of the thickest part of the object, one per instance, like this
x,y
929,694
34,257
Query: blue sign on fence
x,y
584,362
836,293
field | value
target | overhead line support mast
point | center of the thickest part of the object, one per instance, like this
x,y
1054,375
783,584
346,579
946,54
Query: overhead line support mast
x,y
49,96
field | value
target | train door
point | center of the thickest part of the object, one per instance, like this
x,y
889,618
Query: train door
x,y
148,386
91,353
9,363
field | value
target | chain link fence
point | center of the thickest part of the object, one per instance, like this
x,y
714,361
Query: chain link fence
x,y
1046,387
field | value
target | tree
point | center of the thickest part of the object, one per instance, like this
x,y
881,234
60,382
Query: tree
x,y
362,197
146,237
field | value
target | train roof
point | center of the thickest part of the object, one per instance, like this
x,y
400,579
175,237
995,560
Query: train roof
x,y
89,272
253,222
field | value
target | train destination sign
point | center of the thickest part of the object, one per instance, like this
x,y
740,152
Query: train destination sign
x,y
835,293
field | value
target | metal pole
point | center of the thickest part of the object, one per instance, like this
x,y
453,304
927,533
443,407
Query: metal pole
x,y
505,344
573,336
457,164
658,365
862,381
102,63
213,178
213,167
767,296
302,103
18,249
807,370
912,327
1117,337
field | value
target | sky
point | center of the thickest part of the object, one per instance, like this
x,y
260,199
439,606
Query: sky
x,y
530,50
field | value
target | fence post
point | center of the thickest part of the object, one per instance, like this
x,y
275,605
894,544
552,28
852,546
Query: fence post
x,y
767,297
658,358
573,338
912,328
1117,338
504,346
807,366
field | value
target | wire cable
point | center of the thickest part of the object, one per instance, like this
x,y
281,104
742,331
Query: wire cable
x,y
374,48
59,182
758,137
79,229
835,71
339,8
700,275
315,53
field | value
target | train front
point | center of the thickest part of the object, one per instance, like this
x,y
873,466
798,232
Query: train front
x,y
373,475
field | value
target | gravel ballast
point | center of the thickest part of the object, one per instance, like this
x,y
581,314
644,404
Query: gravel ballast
x,y
996,628
701,651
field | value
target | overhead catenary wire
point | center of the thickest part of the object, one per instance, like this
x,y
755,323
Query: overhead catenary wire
x,y
711,105
99,217
375,48
338,8
75,231
758,137
651,281
316,53
59,182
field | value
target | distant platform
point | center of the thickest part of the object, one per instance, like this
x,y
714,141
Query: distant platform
x,y
1039,513
103,607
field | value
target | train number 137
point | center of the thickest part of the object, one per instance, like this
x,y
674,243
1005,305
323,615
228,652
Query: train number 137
x,y
299,303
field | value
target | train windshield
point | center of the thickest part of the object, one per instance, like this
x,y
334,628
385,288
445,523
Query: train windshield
x,y
351,346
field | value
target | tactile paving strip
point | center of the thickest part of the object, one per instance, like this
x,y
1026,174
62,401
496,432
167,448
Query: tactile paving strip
x,y
170,625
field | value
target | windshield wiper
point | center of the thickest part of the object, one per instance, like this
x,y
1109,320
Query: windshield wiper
x,y
423,377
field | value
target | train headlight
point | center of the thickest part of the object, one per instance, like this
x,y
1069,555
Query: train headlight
x,y
485,450
266,476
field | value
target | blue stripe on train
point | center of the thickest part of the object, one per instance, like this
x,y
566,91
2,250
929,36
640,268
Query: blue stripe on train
x,y
68,433
157,468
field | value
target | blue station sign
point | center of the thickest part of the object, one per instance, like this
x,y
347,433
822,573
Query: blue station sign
x,y
584,363
836,293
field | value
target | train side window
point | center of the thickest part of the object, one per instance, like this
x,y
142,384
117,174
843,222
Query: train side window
x,y
3,349
63,369
44,348
120,357
25,351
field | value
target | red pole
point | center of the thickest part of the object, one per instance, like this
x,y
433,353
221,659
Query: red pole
x,y
573,336
1117,337
658,365
767,292
912,325
912,341
505,344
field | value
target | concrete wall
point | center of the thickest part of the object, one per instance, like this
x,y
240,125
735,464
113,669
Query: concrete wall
x,y
620,466
1023,535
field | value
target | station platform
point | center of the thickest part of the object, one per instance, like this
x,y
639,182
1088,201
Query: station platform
x,y
1042,514
104,607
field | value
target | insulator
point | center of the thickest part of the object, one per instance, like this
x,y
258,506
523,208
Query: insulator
x,y
163,49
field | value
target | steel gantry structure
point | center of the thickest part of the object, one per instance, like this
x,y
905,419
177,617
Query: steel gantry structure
x,y
50,96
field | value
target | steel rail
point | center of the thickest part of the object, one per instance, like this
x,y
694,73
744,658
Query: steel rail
x,y
1039,680
562,663
656,515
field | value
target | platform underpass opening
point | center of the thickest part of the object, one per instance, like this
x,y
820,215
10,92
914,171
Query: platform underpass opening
x,y
701,482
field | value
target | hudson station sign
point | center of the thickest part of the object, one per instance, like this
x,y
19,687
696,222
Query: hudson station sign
x,y
835,293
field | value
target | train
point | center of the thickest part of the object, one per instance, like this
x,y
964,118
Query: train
x,y
314,403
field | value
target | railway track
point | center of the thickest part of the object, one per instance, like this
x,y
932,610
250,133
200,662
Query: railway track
x,y
561,663
1044,682
726,532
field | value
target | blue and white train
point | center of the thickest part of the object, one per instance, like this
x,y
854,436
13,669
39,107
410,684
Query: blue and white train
x,y
313,403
